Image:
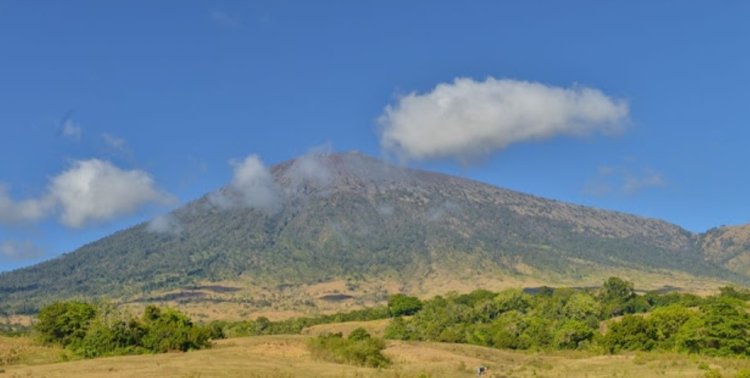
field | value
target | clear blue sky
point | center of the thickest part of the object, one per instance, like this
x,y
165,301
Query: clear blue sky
x,y
176,90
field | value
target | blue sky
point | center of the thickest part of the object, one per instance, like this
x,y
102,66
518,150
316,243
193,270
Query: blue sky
x,y
166,94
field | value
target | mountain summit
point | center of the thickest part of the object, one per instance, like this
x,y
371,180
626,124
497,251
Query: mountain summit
x,y
352,218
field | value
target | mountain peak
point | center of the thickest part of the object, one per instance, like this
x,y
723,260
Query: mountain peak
x,y
327,217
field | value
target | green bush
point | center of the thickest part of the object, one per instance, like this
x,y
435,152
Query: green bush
x,y
170,330
360,349
97,331
64,323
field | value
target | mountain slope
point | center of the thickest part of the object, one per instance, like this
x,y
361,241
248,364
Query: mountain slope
x,y
340,216
728,246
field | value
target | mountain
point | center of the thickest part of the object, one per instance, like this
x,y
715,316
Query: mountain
x,y
354,226
728,247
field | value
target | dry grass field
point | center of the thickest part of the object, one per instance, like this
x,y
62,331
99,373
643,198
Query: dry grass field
x,y
287,356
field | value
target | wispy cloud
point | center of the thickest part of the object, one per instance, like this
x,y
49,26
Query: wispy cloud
x,y
89,191
225,19
165,224
252,186
622,180
309,171
71,130
114,142
25,250
26,211
467,119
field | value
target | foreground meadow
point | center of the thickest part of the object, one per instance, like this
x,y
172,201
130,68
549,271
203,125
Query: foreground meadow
x,y
288,356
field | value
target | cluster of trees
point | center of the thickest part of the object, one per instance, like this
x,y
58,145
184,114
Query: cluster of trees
x,y
571,319
359,348
92,331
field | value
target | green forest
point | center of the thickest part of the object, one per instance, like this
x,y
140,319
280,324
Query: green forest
x,y
608,319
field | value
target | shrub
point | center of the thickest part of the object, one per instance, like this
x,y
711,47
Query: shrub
x,y
361,350
64,323
170,330
96,331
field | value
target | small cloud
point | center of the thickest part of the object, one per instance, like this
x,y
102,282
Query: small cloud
x,y
622,180
647,179
226,20
468,119
20,250
71,130
114,142
165,224
27,211
309,170
252,186
89,191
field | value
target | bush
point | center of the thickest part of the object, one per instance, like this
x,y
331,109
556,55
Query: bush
x,y
630,333
360,349
64,323
170,330
96,331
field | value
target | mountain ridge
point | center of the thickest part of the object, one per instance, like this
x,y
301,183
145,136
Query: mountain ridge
x,y
347,216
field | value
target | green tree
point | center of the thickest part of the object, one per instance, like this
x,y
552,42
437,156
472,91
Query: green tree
x,y
64,323
722,328
573,334
399,305
170,330
631,333
617,297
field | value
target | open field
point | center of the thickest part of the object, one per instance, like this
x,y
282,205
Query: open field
x,y
287,356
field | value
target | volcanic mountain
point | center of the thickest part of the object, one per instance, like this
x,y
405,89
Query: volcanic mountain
x,y
368,228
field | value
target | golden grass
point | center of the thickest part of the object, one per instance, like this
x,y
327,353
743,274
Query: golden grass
x,y
287,356
24,350
373,327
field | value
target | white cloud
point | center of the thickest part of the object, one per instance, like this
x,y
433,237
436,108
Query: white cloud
x,y
95,190
252,186
89,191
71,130
20,250
622,180
165,224
12,212
467,119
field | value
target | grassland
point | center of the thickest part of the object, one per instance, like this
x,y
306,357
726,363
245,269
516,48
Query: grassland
x,y
287,356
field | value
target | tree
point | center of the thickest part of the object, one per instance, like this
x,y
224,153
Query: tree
x,y
618,297
399,304
573,334
64,323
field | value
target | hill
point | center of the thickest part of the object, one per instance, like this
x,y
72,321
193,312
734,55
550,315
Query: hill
x,y
348,228
728,247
